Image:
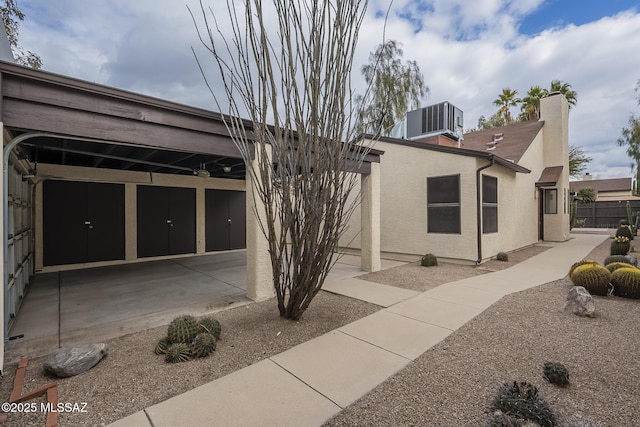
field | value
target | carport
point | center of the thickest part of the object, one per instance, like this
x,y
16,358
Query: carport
x,y
85,166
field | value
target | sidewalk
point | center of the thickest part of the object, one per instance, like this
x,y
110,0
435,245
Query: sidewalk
x,y
313,381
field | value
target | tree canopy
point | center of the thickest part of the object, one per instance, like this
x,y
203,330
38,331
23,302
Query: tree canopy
x,y
630,138
394,88
578,160
11,17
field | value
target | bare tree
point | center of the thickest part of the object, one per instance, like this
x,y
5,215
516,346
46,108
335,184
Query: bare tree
x,y
289,63
11,17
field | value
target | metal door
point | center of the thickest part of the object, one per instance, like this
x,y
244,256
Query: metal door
x,y
225,224
105,231
153,214
182,220
64,232
82,222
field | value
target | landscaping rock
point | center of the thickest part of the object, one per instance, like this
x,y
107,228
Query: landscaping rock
x,y
580,302
70,361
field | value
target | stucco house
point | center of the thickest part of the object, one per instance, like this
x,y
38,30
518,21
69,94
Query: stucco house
x,y
466,199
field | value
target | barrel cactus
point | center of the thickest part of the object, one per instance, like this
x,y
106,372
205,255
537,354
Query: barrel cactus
x,y
182,329
209,325
595,278
177,352
579,263
624,231
620,245
161,347
429,260
621,258
203,344
626,282
616,265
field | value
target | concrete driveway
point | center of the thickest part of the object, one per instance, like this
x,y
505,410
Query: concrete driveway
x,y
96,304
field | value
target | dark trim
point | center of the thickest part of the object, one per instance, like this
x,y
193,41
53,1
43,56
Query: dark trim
x,y
456,151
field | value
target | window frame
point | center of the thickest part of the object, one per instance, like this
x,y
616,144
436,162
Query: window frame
x,y
443,207
489,204
551,208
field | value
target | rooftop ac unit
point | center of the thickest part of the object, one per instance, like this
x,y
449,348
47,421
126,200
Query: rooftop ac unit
x,y
442,118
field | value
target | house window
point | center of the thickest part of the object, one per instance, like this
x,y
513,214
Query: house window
x,y
443,204
551,201
489,204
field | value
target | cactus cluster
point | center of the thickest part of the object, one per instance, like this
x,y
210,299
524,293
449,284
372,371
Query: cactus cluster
x,y
556,373
594,277
523,400
624,231
429,260
626,282
189,338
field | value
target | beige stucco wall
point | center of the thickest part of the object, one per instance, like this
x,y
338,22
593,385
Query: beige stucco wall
x,y
131,179
554,110
403,206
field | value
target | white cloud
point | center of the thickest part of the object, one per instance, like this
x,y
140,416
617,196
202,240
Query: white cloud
x,y
468,51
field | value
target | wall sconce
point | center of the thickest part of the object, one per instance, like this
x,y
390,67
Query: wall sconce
x,y
226,169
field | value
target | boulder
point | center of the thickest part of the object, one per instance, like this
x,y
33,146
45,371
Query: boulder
x,y
70,361
580,302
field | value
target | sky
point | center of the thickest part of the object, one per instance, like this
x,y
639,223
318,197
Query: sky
x,y
468,51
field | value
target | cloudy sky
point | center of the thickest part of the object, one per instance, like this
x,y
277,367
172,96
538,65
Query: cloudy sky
x,y
468,50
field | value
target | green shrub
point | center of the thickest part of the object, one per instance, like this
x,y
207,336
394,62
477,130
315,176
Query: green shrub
x,y
429,260
501,420
626,282
502,256
556,373
523,400
579,263
593,277
621,258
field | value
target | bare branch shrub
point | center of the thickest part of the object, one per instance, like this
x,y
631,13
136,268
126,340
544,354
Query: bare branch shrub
x,y
287,66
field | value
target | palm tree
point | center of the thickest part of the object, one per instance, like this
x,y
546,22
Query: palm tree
x,y
531,103
565,89
505,101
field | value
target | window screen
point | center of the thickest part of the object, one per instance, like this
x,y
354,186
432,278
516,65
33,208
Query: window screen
x,y
443,204
489,204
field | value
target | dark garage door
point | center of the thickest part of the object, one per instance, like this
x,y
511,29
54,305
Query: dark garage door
x,y
82,222
225,225
166,221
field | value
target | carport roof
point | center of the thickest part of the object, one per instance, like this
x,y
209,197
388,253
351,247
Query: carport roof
x,y
100,126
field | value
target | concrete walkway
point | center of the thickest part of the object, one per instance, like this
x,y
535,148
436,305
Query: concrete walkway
x,y
310,383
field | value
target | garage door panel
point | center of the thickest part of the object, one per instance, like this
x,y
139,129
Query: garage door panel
x,y
217,220
182,214
64,216
153,213
106,231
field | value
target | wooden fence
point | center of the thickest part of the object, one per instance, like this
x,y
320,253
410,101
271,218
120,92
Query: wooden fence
x,y
605,214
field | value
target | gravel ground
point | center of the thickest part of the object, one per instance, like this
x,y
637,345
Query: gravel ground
x,y
450,385
453,383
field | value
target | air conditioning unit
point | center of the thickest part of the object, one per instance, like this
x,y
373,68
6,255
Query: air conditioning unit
x,y
442,118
